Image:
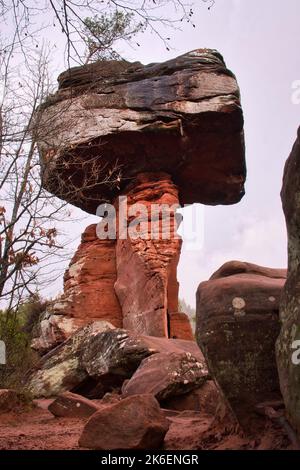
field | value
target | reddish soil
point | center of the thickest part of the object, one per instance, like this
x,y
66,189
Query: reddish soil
x,y
38,429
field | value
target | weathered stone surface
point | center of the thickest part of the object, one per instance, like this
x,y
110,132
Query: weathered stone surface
x,y
93,362
61,369
147,260
187,430
180,326
89,282
136,422
167,374
71,405
120,352
114,356
205,398
89,294
183,117
53,330
288,343
237,326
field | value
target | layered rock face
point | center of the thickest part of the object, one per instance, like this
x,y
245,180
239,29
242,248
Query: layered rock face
x,y
162,134
147,259
237,327
182,116
88,293
288,344
89,281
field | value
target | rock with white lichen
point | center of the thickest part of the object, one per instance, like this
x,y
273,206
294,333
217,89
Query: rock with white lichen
x,y
94,361
166,375
237,326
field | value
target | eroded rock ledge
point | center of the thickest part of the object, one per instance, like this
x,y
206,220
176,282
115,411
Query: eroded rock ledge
x,y
182,116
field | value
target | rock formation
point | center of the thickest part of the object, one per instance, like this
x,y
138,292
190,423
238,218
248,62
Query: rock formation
x,y
136,422
146,284
10,400
167,374
89,294
288,344
237,326
182,117
92,361
162,134
89,282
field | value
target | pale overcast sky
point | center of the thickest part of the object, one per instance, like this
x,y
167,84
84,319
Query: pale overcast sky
x,y
259,40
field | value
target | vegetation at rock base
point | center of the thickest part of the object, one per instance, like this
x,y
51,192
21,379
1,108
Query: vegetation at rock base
x,y
16,330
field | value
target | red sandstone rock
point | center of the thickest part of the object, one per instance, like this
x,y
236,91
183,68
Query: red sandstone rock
x,y
237,326
88,294
114,356
167,374
180,326
205,398
185,430
136,422
71,405
146,284
89,282
154,134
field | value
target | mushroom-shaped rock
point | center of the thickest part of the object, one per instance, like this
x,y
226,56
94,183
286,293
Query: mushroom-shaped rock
x,y
160,135
111,120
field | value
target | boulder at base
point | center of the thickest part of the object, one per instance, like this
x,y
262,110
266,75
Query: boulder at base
x,y
237,326
136,422
205,398
167,374
93,362
288,343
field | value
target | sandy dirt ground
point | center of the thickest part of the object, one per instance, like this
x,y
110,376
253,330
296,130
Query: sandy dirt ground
x,y
38,429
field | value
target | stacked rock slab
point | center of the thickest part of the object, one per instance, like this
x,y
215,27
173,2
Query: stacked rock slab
x,y
237,327
288,344
162,132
